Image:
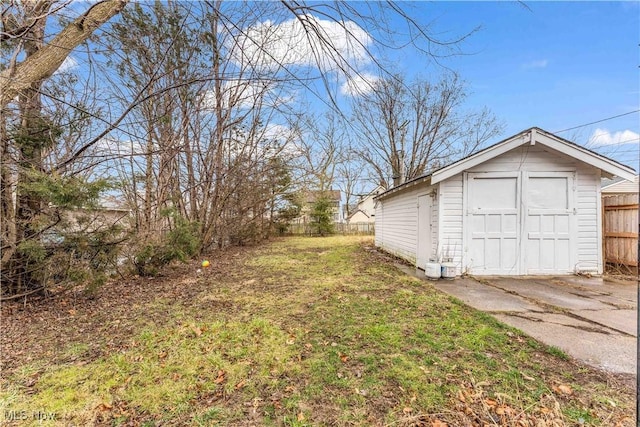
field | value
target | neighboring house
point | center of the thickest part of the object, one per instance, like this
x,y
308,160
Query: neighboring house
x,y
359,217
365,210
620,186
311,197
111,211
529,204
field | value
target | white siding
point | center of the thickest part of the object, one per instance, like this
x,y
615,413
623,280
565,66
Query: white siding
x,y
397,223
589,250
435,224
530,158
621,187
450,220
359,217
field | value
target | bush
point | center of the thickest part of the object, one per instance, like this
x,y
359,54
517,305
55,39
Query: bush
x,y
322,216
59,237
178,244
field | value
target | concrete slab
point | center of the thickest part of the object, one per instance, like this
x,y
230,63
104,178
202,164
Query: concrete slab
x,y
483,297
539,290
623,321
591,319
564,320
614,353
617,302
611,291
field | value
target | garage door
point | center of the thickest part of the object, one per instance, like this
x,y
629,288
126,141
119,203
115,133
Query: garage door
x,y
548,223
493,209
520,223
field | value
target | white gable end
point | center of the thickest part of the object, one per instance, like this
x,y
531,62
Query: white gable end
x,y
532,137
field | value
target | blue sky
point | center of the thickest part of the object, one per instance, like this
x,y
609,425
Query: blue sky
x,y
556,66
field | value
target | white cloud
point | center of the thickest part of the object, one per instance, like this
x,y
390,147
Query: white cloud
x,y
265,142
602,137
540,63
237,94
330,47
286,141
114,147
278,132
246,94
358,85
69,63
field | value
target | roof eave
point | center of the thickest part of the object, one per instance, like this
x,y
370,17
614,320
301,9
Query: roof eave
x,y
480,157
532,136
404,186
610,167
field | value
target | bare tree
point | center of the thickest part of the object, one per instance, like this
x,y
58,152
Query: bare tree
x,y
200,87
35,128
408,129
322,148
206,148
352,179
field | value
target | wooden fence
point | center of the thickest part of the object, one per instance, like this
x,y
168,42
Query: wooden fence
x,y
364,228
620,230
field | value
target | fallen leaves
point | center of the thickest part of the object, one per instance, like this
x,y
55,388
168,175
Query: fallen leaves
x,y
220,378
104,406
196,330
475,406
277,387
563,389
362,392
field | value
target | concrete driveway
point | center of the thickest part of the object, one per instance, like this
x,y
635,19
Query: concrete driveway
x,y
590,319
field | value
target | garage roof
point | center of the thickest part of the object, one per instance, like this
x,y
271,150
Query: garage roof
x,y
532,136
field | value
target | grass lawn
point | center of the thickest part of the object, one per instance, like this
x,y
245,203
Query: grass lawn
x,y
300,331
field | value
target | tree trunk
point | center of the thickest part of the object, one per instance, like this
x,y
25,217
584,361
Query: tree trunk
x,y
30,144
43,63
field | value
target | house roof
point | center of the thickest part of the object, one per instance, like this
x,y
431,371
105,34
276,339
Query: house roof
x,y
113,203
354,213
371,194
379,189
313,196
530,136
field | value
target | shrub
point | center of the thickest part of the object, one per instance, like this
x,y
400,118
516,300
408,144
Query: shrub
x,y
180,243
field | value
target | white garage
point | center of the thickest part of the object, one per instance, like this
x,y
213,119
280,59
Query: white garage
x,y
527,205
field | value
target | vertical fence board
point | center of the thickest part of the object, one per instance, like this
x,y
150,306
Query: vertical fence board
x,y
620,229
364,228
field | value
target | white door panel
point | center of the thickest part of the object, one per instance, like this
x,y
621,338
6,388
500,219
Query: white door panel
x,y
493,215
520,223
549,219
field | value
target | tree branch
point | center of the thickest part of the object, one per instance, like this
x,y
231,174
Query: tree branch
x,y
47,60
